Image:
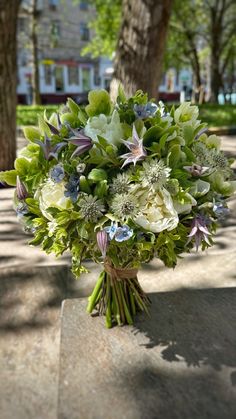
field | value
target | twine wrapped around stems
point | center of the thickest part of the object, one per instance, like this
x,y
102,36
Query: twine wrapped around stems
x,y
119,273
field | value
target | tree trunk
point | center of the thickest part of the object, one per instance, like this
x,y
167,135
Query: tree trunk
x,y
140,47
8,82
35,70
216,80
216,31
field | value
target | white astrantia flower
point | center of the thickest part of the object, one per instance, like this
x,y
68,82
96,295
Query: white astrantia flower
x,y
187,114
120,184
52,195
154,174
157,212
107,127
125,206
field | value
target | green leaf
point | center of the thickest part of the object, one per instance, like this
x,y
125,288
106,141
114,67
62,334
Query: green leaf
x,y
152,134
99,102
84,185
189,154
38,239
121,94
83,231
163,141
21,165
9,176
43,126
175,154
188,132
33,206
102,142
74,108
32,133
101,189
82,117
71,119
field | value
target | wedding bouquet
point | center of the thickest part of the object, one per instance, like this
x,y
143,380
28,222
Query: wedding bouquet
x,y
121,184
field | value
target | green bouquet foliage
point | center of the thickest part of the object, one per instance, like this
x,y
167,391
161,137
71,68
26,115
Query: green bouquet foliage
x,y
121,184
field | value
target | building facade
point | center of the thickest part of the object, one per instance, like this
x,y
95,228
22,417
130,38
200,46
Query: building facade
x,y
62,32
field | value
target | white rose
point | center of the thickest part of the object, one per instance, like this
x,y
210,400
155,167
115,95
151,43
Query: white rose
x,y
52,195
157,211
107,127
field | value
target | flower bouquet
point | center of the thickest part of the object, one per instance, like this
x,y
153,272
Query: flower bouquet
x,y
121,184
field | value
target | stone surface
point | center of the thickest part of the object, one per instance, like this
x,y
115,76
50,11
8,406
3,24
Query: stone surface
x,y
29,335
180,363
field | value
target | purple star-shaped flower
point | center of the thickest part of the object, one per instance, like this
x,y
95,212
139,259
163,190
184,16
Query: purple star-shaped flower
x,y
21,191
196,169
137,151
50,151
82,141
199,231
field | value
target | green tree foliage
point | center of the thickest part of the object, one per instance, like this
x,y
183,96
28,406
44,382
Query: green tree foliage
x,y
105,27
201,31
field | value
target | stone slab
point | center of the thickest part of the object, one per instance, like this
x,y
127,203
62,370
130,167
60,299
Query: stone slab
x,y
179,363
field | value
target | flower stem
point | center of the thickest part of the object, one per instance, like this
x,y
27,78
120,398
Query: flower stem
x,y
118,299
126,310
116,309
94,295
108,309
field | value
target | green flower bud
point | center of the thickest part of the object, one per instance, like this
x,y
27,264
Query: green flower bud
x,y
97,175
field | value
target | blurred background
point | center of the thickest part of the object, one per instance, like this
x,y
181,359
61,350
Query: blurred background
x,y
175,50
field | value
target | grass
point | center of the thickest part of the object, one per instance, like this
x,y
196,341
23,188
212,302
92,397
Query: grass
x,y
28,115
218,115
214,115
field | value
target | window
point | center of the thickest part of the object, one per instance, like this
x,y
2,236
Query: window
x,y
56,28
86,84
59,78
21,24
73,75
84,31
55,33
47,74
170,81
53,4
83,5
177,78
163,83
23,58
97,78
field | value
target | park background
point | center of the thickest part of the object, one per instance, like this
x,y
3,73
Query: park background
x,y
175,50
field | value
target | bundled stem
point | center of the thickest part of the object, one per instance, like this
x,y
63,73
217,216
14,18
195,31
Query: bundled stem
x,y
118,298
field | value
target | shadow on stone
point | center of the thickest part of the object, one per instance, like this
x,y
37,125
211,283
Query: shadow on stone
x,y
179,363
28,294
159,393
197,326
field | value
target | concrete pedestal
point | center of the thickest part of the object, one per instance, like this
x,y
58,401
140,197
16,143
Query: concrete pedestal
x,y
179,363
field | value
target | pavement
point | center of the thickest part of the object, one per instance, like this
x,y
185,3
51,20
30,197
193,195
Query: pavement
x,y
33,285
